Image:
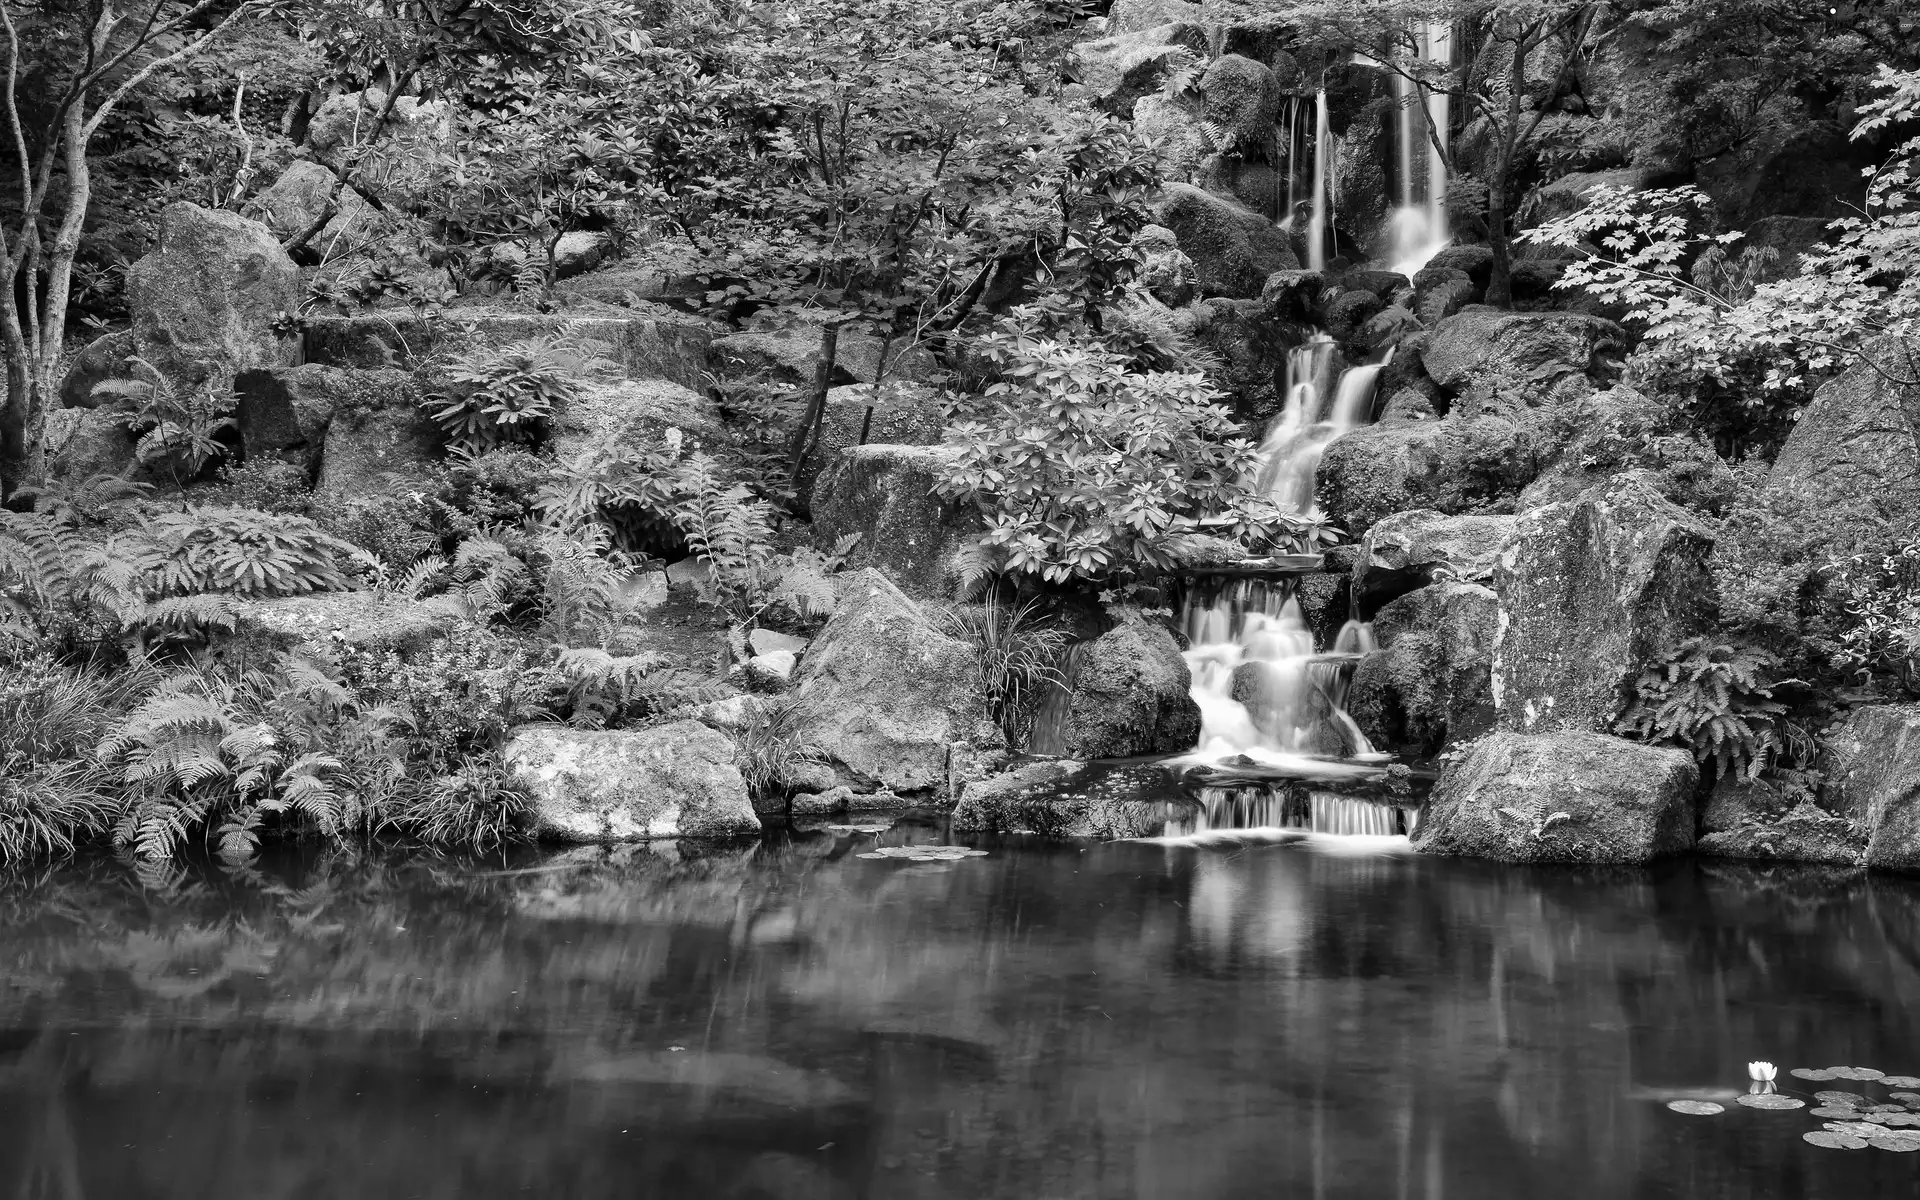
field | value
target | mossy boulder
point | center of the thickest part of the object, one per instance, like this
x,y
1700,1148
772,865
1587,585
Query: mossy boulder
x,y
1570,797
377,437
1233,248
1411,549
1873,780
630,785
1131,696
885,493
1593,592
1242,97
1120,69
1430,683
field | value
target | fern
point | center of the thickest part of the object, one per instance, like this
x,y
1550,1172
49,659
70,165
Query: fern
x,y
1714,699
507,395
733,532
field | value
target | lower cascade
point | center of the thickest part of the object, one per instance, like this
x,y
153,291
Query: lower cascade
x,y
1265,690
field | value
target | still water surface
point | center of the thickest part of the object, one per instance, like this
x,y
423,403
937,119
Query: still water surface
x,y
1323,1018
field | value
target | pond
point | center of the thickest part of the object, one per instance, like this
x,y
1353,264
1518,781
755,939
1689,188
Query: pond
x,y
1259,1016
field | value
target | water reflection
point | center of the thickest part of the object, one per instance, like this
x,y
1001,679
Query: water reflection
x,y
786,1020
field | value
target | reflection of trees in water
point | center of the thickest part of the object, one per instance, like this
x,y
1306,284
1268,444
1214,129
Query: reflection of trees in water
x,y
1055,1020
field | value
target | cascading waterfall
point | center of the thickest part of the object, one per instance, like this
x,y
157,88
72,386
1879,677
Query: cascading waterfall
x,y
1420,223
1322,162
1263,688
1307,810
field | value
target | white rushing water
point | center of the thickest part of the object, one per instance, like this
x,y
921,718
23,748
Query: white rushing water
x,y
1265,690
1420,222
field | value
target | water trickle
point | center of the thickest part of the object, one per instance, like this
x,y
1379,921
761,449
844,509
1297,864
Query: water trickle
x,y
1322,163
1420,222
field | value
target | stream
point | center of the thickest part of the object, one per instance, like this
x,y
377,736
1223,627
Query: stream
x,y
1298,1015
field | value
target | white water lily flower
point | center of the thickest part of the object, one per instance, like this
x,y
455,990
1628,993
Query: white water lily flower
x,y
1761,1072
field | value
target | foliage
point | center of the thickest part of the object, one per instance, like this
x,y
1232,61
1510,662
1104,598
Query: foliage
x,y
730,530
506,395
1082,470
476,806
52,796
1880,597
174,431
1717,701
773,746
1016,656
210,548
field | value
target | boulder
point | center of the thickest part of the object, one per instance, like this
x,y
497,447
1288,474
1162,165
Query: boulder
x,y
1568,194
284,412
631,785
890,694
102,359
634,413
1439,293
1036,799
1175,134
84,442
1135,16
1252,347
1119,69
1620,430
296,200
1409,550
1473,261
382,438
1361,195
1242,97
1542,355
1430,683
1293,296
1460,464
1873,781
656,343
1757,819
206,299
885,494
1131,696
1234,249
321,623
1165,270
347,120
1593,592
580,251
1570,797
1346,314
1249,182
1846,482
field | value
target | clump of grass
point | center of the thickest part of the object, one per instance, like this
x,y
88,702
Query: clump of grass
x,y
54,795
476,807
1017,656
770,749
51,808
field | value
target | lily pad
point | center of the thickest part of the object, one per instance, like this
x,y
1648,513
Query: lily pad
x,y
1696,1108
1903,1118
922,853
1829,1140
1857,1073
1904,1143
1771,1100
1810,1073
1839,1097
1853,1128
1900,1081
1840,1112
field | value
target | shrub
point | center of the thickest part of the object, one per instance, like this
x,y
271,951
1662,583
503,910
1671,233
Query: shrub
x,y
1717,701
1879,634
268,485
174,431
210,548
476,806
506,395
53,796
1082,469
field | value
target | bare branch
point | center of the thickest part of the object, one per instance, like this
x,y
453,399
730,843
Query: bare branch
x,y
192,48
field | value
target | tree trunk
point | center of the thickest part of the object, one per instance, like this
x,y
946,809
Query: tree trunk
x,y
1500,286
803,439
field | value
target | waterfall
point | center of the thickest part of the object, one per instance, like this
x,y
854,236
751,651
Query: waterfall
x,y
1263,688
1322,163
1420,224
1312,811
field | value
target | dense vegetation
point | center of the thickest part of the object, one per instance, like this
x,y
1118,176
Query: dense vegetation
x,y
915,177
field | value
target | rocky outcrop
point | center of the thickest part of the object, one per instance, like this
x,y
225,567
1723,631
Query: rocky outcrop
x,y
884,493
1131,696
323,623
1873,781
890,694
633,413
1409,550
1536,358
1242,97
1568,797
84,442
1593,592
1756,819
102,359
206,300
1252,348
1233,249
789,356
1043,798
350,119
631,785
1846,482
284,412
1165,270
1430,683
299,197
1568,194
1249,182
1620,430
1120,69
1459,464
379,438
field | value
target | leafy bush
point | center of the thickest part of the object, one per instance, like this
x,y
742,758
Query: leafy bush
x,y
1717,701
506,395
1017,658
268,485
1082,469
210,548
1880,632
174,431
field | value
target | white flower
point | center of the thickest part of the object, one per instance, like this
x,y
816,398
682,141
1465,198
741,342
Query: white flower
x,y
1761,1072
